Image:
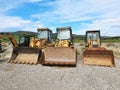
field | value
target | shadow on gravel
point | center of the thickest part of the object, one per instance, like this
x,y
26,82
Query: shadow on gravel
x,y
4,60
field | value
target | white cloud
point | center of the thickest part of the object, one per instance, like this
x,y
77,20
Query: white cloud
x,y
6,5
33,26
11,22
102,14
108,27
16,23
80,10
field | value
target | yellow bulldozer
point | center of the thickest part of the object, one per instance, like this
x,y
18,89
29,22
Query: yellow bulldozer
x,y
28,49
63,52
44,38
95,54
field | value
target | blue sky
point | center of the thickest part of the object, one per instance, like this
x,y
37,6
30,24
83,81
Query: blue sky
x,y
81,15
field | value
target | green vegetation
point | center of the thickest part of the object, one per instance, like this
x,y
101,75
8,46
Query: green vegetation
x,y
81,38
76,38
20,33
110,39
23,33
54,36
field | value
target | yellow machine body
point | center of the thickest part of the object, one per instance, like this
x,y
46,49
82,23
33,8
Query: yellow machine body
x,y
95,54
63,53
29,49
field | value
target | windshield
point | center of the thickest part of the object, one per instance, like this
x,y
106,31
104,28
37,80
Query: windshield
x,y
22,39
63,34
42,34
93,36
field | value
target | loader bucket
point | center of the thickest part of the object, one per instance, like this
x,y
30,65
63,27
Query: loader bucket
x,y
59,56
25,55
98,57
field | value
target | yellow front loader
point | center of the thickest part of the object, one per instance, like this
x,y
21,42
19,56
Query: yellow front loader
x,y
43,40
28,49
95,54
63,52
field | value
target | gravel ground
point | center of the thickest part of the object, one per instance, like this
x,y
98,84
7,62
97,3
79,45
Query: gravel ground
x,y
38,77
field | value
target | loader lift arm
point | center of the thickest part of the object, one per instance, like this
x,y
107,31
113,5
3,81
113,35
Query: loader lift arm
x,y
29,48
21,51
10,36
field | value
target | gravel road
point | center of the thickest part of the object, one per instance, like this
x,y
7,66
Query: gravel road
x,y
38,77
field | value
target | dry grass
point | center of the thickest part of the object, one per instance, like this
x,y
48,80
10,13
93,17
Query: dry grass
x,y
115,47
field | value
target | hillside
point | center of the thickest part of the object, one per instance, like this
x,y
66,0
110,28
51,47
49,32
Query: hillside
x,y
76,38
25,33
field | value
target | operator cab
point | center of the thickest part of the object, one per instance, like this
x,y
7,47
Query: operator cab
x,y
24,41
45,33
93,39
64,37
64,33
